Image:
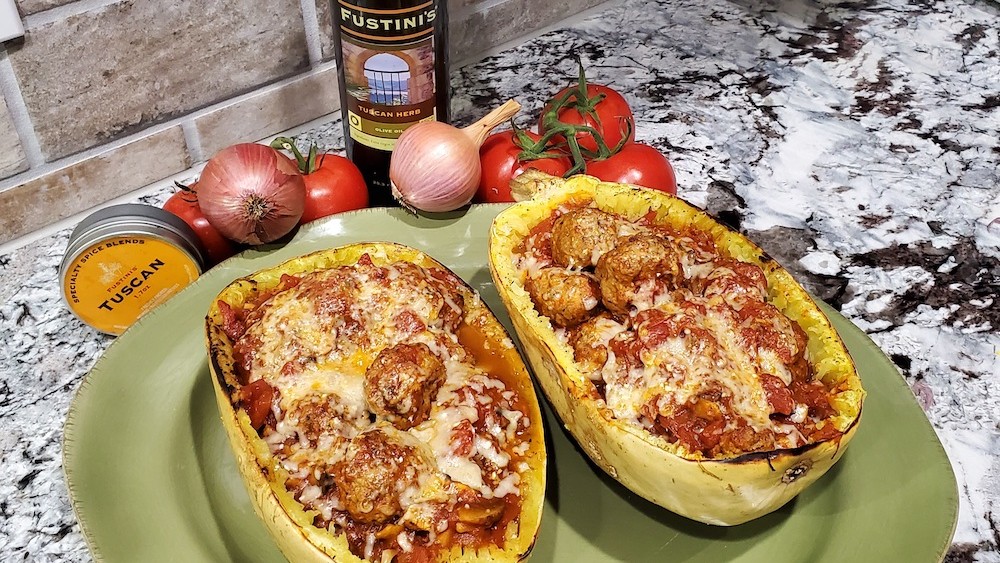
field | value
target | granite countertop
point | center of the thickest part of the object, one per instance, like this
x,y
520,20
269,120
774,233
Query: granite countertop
x,y
858,143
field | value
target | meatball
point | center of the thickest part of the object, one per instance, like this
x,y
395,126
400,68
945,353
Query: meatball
x,y
590,342
734,281
764,328
641,257
582,236
429,289
452,311
379,466
566,297
400,385
678,340
322,415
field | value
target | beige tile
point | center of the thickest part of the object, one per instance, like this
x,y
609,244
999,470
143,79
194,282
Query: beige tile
x,y
12,158
34,6
266,113
324,13
79,186
114,70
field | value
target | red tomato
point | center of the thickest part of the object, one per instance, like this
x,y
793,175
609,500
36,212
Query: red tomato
x,y
613,117
335,186
637,164
184,204
498,156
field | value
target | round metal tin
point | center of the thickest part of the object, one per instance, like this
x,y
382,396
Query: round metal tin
x,y
124,260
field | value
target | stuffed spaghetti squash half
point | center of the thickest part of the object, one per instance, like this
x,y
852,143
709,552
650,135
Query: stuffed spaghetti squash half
x,y
378,410
686,363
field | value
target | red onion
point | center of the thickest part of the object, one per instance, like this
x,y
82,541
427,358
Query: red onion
x,y
435,166
251,193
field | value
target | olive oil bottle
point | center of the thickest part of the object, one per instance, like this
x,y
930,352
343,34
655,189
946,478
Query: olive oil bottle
x,y
393,67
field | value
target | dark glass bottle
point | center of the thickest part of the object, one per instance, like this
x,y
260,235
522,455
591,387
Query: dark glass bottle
x,y
393,66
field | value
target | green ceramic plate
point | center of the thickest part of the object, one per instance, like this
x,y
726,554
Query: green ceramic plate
x,y
152,478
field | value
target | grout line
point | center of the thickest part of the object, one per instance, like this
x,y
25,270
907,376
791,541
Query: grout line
x,y
193,141
48,167
155,187
19,113
311,21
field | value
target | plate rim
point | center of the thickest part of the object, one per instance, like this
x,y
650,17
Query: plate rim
x,y
70,426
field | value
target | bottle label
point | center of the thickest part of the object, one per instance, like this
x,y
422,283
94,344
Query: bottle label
x,y
388,58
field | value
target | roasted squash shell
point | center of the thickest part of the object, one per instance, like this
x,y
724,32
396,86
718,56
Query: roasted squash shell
x,y
715,491
289,522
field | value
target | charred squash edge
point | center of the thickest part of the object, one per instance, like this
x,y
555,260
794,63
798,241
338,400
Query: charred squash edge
x,y
286,519
729,487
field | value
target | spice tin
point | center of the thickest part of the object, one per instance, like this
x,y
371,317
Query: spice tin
x,y
124,260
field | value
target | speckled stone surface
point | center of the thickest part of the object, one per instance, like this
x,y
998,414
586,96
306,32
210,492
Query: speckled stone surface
x,y
858,143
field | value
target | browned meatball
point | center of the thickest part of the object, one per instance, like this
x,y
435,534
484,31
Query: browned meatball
x,y
762,327
638,258
582,236
734,280
435,286
590,341
566,297
378,467
400,385
319,415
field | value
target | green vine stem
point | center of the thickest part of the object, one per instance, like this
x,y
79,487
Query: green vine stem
x,y
188,193
307,164
578,100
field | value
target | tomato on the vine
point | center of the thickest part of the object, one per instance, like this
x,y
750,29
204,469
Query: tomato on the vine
x,y
500,159
184,204
638,164
603,109
333,183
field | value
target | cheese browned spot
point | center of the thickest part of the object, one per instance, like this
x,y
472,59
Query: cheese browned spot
x,y
683,342
387,425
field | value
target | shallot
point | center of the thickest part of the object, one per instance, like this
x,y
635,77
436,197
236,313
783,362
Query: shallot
x,y
435,167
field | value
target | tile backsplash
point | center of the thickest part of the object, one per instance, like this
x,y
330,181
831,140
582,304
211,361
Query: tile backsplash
x,y
103,97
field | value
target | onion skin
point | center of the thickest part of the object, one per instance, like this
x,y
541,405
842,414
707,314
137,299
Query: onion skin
x,y
251,193
435,167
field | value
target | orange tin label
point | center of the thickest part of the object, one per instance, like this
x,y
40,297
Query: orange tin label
x,y
113,282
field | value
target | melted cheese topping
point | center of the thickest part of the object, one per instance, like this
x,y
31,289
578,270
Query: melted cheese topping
x,y
313,344
711,358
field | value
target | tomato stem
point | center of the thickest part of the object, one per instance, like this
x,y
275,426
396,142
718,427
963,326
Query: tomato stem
x,y
553,128
311,164
187,193
306,164
531,149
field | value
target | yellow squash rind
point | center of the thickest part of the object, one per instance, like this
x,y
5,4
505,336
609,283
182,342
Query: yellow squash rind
x,y
722,492
289,524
